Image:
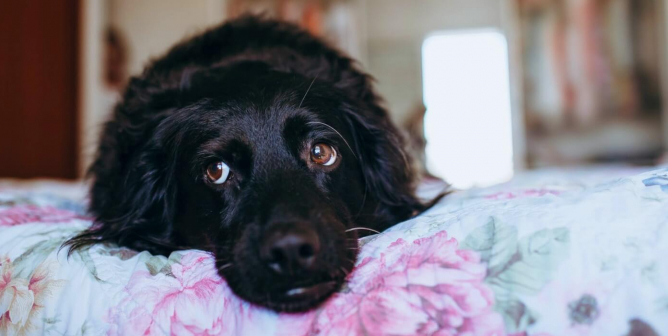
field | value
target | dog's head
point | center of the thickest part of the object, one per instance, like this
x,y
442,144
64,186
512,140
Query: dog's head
x,y
275,172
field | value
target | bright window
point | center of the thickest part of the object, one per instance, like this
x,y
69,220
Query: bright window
x,y
467,95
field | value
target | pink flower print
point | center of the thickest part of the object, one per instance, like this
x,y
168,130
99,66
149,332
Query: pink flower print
x,y
34,214
192,300
427,287
21,300
505,195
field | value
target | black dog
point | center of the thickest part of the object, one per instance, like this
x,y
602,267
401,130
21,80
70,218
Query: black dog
x,y
260,143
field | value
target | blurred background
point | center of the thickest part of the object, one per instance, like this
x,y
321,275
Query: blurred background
x,y
484,89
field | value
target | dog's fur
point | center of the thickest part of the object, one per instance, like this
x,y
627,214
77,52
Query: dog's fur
x,y
255,93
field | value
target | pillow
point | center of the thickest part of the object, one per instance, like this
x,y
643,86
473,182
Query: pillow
x,y
578,252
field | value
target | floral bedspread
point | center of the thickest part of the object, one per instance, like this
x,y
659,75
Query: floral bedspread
x,y
550,253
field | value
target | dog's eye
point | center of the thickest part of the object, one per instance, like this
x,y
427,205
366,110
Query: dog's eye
x,y
218,172
323,155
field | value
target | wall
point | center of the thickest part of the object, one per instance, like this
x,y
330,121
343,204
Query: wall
x,y
664,67
396,30
91,114
152,26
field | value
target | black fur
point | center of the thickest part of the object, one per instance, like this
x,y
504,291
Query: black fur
x,y
256,94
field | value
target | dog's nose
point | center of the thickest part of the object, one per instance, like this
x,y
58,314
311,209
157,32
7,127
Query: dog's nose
x,y
288,248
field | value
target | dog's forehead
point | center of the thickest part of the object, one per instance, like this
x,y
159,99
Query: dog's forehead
x,y
264,127
268,122
257,100
270,113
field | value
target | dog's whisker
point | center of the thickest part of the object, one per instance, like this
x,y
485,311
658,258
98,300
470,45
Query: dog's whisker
x,y
346,272
307,90
362,228
225,266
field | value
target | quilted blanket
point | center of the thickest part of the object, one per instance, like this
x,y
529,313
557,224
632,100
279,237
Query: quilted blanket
x,y
550,253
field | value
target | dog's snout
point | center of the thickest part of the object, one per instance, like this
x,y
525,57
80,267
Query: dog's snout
x,y
290,247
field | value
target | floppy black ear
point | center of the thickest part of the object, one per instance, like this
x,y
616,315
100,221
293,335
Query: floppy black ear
x,y
385,166
133,192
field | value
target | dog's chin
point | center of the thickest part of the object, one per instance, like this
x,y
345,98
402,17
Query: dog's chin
x,y
302,298
293,298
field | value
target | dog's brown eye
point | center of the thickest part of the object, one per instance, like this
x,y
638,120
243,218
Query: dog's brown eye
x,y
323,155
218,172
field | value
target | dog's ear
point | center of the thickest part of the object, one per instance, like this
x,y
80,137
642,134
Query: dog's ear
x,y
133,191
385,166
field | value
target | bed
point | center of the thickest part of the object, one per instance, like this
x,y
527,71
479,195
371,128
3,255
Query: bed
x,y
554,252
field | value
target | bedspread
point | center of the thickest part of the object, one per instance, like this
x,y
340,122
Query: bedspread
x,y
550,253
